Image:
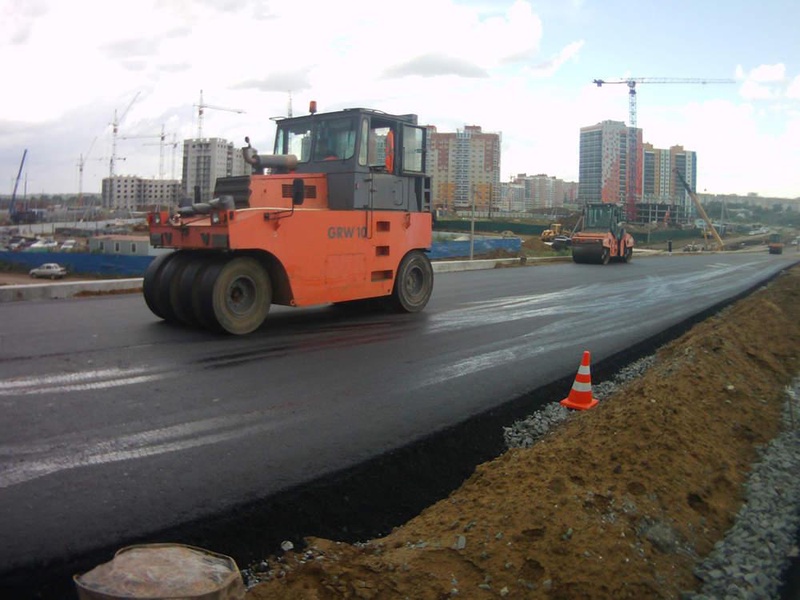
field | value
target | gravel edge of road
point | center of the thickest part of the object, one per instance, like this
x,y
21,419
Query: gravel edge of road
x,y
752,559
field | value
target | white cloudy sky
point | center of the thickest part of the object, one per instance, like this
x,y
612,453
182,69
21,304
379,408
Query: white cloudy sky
x,y
520,67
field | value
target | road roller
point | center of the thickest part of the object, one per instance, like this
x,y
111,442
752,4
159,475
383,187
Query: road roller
x,y
340,212
602,237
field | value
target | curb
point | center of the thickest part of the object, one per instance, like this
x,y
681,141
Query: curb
x,y
72,289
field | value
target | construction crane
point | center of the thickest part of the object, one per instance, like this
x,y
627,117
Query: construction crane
x,y
13,214
114,132
633,149
162,142
81,162
700,210
201,108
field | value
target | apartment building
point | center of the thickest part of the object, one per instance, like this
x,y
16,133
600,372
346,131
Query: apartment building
x,y
662,187
465,169
543,192
206,159
604,163
133,193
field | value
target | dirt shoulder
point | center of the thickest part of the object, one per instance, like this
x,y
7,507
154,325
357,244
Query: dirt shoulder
x,y
619,502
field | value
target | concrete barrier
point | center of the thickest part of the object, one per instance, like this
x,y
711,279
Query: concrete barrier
x,y
68,289
72,289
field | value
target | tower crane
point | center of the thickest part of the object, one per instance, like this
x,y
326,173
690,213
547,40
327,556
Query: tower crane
x,y
81,162
114,131
633,150
201,108
162,142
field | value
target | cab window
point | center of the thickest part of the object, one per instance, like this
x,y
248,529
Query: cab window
x,y
295,140
335,139
413,149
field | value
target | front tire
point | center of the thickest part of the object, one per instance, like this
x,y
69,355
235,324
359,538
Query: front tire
x,y
628,254
605,256
413,283
237,295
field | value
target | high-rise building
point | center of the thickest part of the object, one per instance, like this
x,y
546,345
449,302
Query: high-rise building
x,y
604,164
205,160
465,168
662,186
660,182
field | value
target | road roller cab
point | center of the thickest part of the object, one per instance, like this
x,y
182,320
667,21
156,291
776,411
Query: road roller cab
x,y
602,236
339,212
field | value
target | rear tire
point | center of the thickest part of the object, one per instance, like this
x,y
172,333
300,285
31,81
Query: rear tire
x,y
235,295
152,284
413,283
187,282
181,310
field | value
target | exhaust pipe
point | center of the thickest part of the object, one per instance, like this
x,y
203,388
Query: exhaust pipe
x,y
284,162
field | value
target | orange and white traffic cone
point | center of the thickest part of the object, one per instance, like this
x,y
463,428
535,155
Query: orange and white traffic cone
x,y
580,396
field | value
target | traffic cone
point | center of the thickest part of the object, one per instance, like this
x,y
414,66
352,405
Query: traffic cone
x,y
580,396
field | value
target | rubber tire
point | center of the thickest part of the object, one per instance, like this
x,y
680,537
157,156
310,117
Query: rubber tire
x,y
413,284
167,281
605,256
180,309
234,296
182,297
627,256
151,284
201,292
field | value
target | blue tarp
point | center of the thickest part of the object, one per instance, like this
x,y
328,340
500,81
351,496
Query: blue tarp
x,y
481,248
113,265
119,265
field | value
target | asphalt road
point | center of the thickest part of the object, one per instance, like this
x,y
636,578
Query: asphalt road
x,y
115,424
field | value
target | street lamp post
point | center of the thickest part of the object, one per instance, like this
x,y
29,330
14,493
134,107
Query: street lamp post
x,y
472,226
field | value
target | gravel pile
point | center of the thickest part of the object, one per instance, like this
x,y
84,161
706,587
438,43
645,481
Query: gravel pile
x,y
749,563
524,433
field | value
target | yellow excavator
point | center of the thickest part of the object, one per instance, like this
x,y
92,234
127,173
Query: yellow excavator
x,y
548,235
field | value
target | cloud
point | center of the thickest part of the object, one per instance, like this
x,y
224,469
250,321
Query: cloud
x,y
752,90
768,73
550,67
793,91
125,49
436,65
295,80
767,82
18,18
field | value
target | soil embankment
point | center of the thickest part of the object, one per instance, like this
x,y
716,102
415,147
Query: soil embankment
x,y
618,502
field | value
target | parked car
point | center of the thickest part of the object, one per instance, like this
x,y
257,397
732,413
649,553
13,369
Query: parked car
x,y
49,271
561,242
